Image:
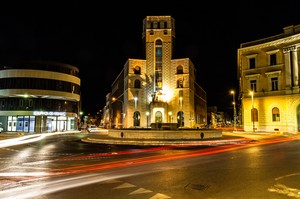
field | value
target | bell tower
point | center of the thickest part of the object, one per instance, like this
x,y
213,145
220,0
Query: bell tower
x,y
159,38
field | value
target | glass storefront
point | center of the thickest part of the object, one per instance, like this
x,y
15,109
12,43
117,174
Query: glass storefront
x,y
40,123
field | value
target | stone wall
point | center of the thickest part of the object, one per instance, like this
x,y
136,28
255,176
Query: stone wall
x,y
165,134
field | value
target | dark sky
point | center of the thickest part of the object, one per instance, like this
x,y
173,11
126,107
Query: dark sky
x,y
98,37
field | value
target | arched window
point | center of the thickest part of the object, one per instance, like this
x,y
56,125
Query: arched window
x,y
136,118
158,117
179,70
179,83
158,42
158,65
137,70
137,83
275,114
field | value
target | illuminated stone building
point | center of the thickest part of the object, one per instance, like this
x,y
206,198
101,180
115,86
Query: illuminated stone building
x,y
268,71
157,91
39,96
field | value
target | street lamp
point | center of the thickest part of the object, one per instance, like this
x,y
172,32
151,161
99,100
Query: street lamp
x,y
234,109
147,114
122,111
252,110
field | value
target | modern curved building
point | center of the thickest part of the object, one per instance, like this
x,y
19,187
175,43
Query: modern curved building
x,y
39,96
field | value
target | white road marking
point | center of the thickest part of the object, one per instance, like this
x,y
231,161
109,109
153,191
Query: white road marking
x,y
159,196
125,185
280,188
140,190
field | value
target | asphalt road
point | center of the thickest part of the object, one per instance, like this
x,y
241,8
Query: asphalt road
x,y
65,167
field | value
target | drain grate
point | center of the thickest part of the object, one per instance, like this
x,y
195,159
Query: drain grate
x,y
200,187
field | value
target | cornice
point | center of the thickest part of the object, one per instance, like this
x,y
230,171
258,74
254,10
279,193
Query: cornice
x,y
278,42
252,76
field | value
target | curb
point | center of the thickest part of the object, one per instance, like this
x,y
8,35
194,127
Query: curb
x,y
166,142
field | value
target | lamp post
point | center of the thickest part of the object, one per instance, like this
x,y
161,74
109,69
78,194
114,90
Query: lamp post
x,y
122,111
170,117
147,114
234,109
80,120
252,111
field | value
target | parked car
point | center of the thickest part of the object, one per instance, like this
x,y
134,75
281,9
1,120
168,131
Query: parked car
x,y
93,129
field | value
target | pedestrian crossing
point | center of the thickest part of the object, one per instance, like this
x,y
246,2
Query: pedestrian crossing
x,y
137,190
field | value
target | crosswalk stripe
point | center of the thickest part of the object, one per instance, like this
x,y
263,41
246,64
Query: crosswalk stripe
x,y
140,190
159,196
125,185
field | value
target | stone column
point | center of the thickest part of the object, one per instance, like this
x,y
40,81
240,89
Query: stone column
x,y
295,67
287,64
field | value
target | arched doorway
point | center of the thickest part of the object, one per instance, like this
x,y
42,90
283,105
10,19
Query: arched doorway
x,y
136,118
158,117
180,118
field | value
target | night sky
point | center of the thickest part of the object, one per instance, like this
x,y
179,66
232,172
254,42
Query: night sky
x,y
98,39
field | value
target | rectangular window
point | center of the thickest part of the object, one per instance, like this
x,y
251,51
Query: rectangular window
x,y
21,103
2,104
273,59
158,52
49,103
253,85
11,103
30,103
274,82
252,63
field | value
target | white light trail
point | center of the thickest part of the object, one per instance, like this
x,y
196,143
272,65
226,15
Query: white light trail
x,y
29,138
42,188
21,140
